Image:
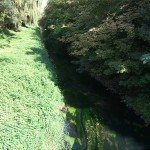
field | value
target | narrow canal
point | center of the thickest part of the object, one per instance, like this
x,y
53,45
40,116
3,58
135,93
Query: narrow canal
x,y
96,119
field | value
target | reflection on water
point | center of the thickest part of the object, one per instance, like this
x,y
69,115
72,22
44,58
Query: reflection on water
x,y
96,118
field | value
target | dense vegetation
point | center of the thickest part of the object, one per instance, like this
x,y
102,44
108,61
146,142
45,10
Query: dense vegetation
x,y
16,12
110,40
30,100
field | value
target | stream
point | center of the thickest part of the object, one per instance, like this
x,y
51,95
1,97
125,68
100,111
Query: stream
x,y
96,119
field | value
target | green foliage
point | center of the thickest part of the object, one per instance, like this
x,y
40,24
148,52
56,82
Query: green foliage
x,y
110,39
14,12
30,100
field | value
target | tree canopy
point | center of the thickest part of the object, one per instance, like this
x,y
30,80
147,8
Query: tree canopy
x,y
110,40
15,12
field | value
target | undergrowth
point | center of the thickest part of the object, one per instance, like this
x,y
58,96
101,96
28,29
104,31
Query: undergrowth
x,y
30,101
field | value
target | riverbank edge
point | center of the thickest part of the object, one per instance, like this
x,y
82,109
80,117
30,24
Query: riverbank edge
x,y
112,85
41,61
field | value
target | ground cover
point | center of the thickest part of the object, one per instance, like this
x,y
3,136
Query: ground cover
x,y
30,100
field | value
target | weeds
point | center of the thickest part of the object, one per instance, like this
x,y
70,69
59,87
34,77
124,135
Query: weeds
x,y
29,97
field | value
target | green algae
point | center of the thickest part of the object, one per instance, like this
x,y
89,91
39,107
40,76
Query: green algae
x,y
86,128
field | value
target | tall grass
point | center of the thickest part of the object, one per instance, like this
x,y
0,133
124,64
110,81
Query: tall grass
x,y
30,101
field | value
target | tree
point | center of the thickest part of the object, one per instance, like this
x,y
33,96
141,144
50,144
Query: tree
x,y
110,40
16,12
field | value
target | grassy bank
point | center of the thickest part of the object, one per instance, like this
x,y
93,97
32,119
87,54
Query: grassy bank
x,y
30,101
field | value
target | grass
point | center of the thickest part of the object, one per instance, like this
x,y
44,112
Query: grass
x,y
30,101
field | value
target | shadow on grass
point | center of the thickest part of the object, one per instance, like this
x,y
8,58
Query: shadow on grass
x,y
37,34
42,57
6,32
6,35
5,60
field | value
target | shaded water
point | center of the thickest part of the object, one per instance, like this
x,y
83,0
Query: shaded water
x,y
96,118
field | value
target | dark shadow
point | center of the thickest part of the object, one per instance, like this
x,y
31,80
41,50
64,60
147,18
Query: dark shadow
x,y
6,32
81,91
5,45
5,60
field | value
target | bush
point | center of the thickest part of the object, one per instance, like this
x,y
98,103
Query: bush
x,y
14,12
110,39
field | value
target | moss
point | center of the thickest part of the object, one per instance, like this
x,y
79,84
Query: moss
x,y
93,130
70,140
73,122
87,128
72,111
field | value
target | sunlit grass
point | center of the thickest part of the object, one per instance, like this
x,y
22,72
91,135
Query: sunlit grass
x,y
29,97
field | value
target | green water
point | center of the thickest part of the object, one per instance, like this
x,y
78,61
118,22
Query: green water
x,y
96,119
